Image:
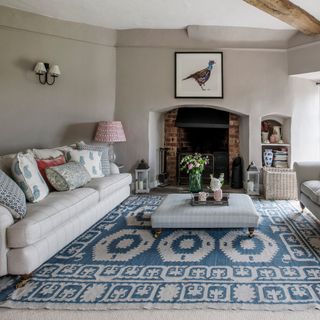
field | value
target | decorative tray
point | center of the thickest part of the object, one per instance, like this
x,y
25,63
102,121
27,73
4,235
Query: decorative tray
x,y
210,200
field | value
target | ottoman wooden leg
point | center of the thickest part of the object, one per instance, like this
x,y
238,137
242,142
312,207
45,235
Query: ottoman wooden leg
x,y
302,206
251,231
24,279
157,233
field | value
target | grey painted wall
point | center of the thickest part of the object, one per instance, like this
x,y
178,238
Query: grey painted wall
x,y
134,82
256,84
34,115
304,59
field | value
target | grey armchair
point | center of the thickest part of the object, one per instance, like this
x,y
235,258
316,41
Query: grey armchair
x,y
308,179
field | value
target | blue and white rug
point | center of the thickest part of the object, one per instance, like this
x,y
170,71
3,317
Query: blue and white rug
x,y
118,264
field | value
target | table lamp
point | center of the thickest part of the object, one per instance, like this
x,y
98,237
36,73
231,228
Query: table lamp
x,y
110,132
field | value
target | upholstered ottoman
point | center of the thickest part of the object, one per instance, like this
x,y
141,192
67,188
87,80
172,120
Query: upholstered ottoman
x,y
176,211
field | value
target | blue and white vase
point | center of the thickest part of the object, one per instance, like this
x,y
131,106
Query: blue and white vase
x,y
268,157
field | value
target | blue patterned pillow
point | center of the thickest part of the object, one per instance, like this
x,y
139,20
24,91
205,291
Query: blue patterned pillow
x,y
12,197
27,175
91,160
68,176
105,163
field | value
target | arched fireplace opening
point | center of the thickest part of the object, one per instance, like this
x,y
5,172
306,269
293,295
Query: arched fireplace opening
x,y
205,130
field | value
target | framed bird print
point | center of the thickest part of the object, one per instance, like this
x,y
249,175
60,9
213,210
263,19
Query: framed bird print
x,y
199,75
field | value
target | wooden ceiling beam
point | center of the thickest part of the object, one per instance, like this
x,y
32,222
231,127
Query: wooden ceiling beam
x,y
289,13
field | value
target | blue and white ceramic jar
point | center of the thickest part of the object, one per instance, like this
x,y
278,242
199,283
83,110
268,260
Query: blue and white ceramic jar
x,y
268,157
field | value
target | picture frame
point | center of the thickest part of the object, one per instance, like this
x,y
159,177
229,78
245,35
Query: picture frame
x,y
199,75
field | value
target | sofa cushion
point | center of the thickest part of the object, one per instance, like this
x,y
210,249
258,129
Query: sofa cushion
x,y
50,213
109,184
312,190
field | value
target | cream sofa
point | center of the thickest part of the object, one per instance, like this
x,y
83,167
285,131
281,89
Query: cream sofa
x,y
308,179
56,220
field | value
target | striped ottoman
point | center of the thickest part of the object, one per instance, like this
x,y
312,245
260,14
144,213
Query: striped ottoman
x,y
176,211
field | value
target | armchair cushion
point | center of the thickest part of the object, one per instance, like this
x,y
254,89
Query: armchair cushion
x,y
311,189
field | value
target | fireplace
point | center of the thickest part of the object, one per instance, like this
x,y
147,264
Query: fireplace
x,y
204,130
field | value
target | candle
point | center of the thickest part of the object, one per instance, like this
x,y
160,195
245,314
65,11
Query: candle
x,y
137,185
140,185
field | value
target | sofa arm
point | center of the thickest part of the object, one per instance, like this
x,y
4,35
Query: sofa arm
x,y
308,170
6,220
114,168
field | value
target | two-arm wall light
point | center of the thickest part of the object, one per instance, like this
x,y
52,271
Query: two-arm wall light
x,y
43,70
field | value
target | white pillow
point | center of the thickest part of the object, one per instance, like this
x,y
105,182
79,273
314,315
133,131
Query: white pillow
x,y
52,153
91,160
26,173
44,154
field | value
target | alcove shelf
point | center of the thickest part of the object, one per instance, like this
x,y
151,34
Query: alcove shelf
x,y
275,144
281,151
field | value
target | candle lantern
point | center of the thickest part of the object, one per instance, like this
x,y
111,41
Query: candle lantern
x,y
252,183
142,178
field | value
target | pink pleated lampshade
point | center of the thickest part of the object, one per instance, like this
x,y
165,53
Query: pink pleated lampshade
x,y
110,131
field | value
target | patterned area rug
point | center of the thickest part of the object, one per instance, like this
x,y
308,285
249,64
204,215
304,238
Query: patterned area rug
x,y
118,264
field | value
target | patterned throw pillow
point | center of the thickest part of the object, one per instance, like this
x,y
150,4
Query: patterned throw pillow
x,y
105,163
46,163
91,160
68,176
12,197
26,174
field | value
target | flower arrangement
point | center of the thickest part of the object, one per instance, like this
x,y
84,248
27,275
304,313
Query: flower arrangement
x,y
194,163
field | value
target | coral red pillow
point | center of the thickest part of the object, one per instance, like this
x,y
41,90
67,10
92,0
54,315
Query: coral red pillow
x,y
46,163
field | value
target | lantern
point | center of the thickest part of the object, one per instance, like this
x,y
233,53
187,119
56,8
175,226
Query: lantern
x,y
252,183
142,178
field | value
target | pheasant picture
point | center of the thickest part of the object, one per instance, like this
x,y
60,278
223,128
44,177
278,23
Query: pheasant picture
x,y
202,76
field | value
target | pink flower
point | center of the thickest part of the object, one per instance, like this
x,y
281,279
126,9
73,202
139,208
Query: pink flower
x,y
190,166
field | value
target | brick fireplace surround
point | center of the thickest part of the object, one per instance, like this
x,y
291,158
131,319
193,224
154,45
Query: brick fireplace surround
x,y
174,140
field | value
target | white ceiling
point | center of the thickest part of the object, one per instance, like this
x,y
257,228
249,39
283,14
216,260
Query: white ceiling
x,y
158,14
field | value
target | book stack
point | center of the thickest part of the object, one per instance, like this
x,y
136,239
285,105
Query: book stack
x,y
280,158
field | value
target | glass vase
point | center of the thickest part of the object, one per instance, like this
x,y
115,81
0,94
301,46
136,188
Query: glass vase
x,y
195,182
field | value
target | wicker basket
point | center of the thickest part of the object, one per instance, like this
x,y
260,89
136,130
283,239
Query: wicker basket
x,y
279,184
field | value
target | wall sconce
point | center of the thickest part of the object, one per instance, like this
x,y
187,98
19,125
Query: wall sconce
x,y
43,71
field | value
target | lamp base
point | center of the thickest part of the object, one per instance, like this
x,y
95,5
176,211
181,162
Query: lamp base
x,y
111,154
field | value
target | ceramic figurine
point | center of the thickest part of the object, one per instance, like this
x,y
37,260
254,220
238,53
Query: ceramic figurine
x,y
215,186
273,138
264,137
277,133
